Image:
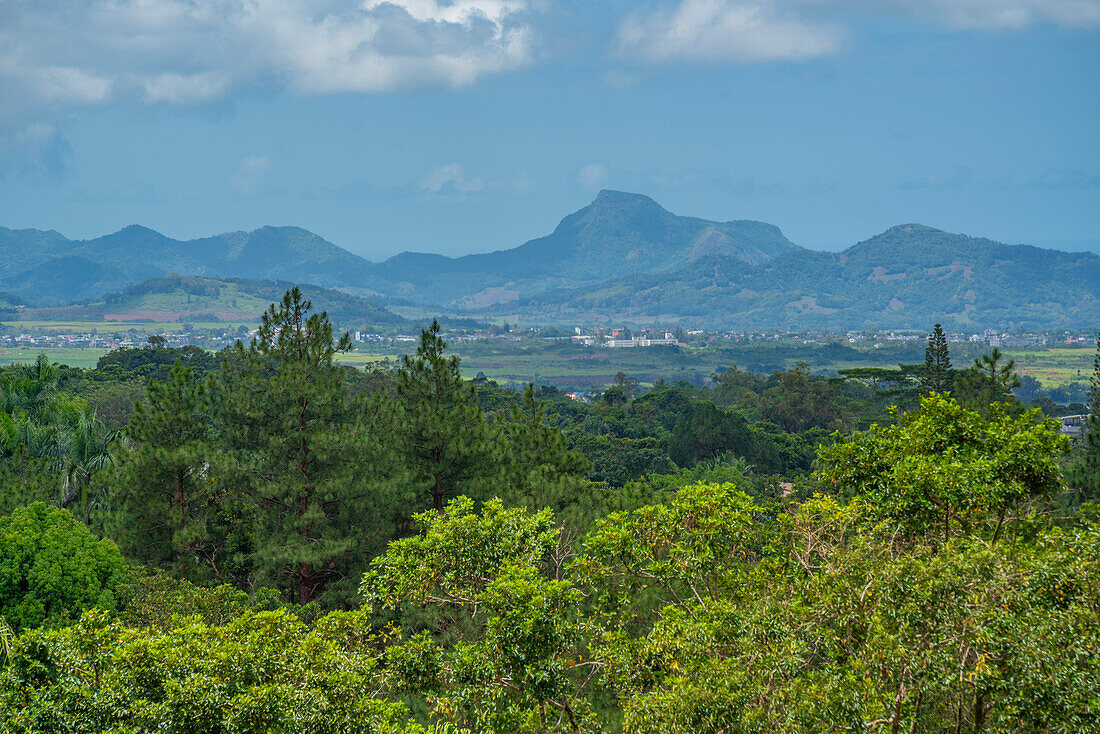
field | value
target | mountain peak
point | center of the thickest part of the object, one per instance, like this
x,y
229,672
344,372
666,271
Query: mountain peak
x,y
133,230
613,197
911,228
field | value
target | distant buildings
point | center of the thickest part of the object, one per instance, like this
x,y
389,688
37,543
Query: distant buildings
x,y
1073,425
639,342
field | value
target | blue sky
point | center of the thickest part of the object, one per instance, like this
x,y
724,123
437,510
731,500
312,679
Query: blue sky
x,y
474,125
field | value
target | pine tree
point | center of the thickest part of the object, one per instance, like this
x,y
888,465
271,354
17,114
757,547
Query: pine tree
x,y
161,494
937,375
441,435
290,427
1087,475
989,380
539,453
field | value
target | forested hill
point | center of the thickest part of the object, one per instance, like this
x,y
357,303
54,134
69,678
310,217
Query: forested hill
x,y
48,269
617,234
183,297
906,277
622,257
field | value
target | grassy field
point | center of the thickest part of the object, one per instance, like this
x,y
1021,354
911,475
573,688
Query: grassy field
x,y
107,327
1054,366
568,365
86,358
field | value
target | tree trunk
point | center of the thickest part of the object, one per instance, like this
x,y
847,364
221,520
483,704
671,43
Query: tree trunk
x,y
182,506
87,504
305,589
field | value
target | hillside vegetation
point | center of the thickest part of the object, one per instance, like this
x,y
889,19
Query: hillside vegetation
x,y
623,257
904,278
182,298
274,542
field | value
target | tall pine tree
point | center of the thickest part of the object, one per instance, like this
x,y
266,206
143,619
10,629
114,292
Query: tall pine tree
x,y
937,376
989,380
441,436
1086,476
161,495
296,451
539,454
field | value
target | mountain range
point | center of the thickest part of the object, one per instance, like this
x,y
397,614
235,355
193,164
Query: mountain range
x,y
905,278
184,298
621,257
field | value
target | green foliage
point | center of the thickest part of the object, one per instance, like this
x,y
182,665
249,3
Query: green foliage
x,y
52,568
295,459
1085,475
162,499
838,630
156,362
988,381
261,672
154,599
937,375
439,432
510,658
944,468
708,432
39,423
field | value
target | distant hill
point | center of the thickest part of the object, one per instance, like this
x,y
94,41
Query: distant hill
x,y
177,298
45,268
623,256
907,277
618,234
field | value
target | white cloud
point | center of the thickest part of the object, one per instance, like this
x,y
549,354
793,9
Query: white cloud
x,y
1006,14
38,152
726,30
593,176
184,51
768,30
251,175
451,179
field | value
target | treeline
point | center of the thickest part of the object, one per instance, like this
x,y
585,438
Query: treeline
x,y
277,543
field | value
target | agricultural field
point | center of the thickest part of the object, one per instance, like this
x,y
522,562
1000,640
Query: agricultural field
x,y
85,358
572,366
109,327
1054,366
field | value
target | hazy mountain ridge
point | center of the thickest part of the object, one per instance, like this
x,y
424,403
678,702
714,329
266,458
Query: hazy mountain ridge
x,y
906,277
623,256
45,268
617,234
197,298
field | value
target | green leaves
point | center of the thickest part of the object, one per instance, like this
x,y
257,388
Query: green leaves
x,y
505,653
52,568
948,469
258,673
297,461
443,440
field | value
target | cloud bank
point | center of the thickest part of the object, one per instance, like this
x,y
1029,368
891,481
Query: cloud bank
x,y
81,52
747,31
725,30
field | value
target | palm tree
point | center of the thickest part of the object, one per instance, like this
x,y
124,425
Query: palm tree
x,y
7,641
83,448
30,389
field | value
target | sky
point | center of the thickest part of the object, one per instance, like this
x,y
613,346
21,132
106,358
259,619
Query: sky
x,y
475,125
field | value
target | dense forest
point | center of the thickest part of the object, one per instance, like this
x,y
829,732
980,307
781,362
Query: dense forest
x,y
262,540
